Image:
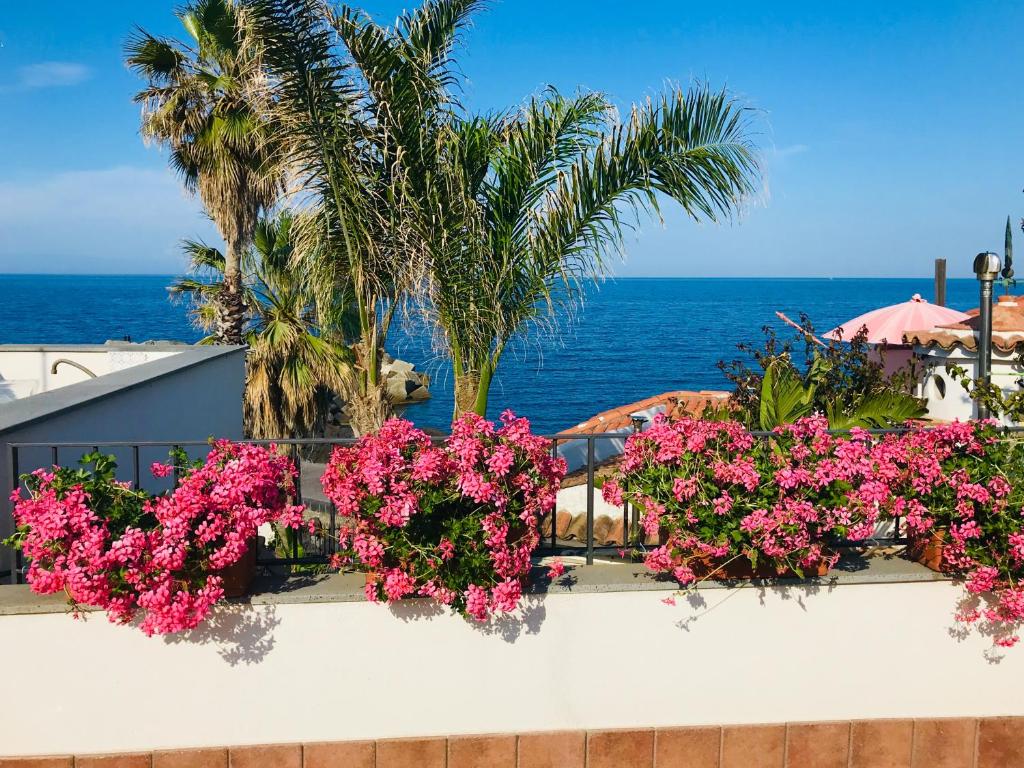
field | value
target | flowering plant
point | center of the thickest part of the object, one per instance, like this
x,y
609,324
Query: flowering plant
x,y
456,522
115,547
717,495
963,485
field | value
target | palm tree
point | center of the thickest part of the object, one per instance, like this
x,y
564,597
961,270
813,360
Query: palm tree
x,y
291,368
535,202
359,108
198,103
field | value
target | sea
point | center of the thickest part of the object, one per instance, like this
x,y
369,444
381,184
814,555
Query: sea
x,y
629,339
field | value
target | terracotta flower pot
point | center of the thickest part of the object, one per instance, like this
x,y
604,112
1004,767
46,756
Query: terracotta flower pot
x,y
927,549
741,568
238,576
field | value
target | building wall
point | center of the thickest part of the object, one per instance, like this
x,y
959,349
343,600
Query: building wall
x,y
339,671
31,365
947,399
159,401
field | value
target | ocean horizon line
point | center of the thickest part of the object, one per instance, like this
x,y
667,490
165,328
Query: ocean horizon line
x,y
610,278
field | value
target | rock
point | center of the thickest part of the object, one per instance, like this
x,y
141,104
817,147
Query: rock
x,y
397,368
404,383
419,394
562,521
396,389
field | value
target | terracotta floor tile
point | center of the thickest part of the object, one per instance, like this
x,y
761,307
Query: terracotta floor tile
x,y
36,762
412,753
191,758
687,747
753,746
1001,742
559,749
137,760
817,745
944,743
618,749
339,754
482,751
266,756
881,743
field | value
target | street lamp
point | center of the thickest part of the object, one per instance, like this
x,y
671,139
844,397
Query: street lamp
x,y
986,267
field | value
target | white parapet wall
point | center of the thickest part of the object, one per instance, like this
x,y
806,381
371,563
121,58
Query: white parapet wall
x,y
343,669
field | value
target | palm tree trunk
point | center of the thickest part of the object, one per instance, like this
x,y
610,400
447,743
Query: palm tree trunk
x,y
472,387
467,385
231,321
483,389
368,407
367,412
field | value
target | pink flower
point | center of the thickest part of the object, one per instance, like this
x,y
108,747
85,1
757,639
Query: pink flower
x,y
446,549
477,604
481,495
164,571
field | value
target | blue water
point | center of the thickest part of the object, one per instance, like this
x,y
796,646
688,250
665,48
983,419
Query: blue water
x,y
633,338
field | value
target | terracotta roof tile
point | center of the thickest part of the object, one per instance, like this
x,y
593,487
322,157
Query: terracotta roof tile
x,y
1007,329
678,403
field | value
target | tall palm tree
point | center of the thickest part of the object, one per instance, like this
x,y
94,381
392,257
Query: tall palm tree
x,y
198,103
291,368
358,108
534,202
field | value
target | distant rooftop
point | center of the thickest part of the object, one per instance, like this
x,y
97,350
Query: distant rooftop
x,y
1007,329
678,403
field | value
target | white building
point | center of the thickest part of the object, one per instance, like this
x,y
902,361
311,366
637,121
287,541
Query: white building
x,y
956,344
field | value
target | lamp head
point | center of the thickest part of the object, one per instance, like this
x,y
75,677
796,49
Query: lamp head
x,y
638,420
987,266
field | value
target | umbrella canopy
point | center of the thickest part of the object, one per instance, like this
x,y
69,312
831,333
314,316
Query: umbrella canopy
x,y
888,324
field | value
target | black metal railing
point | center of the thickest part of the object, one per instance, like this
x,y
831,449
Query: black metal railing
x,y
314,549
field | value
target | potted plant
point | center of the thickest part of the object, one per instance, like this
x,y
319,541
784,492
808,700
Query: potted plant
x,y
947,479
729,505
166,559
456,521
963,502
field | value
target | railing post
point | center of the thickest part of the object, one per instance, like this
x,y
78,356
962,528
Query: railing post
x,y
136,469
298,498
554,509
15,482
590,500
176,476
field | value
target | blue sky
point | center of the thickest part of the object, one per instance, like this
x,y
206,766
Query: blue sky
x,y
890,131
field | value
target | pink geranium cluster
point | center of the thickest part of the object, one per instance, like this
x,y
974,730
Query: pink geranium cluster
x,y
456,521
716,494
963,485
114,547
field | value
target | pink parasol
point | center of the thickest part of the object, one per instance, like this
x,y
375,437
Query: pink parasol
x,y
888,324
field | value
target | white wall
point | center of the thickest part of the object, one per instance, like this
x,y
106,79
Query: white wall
x,y
947,399
25,364
352,670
